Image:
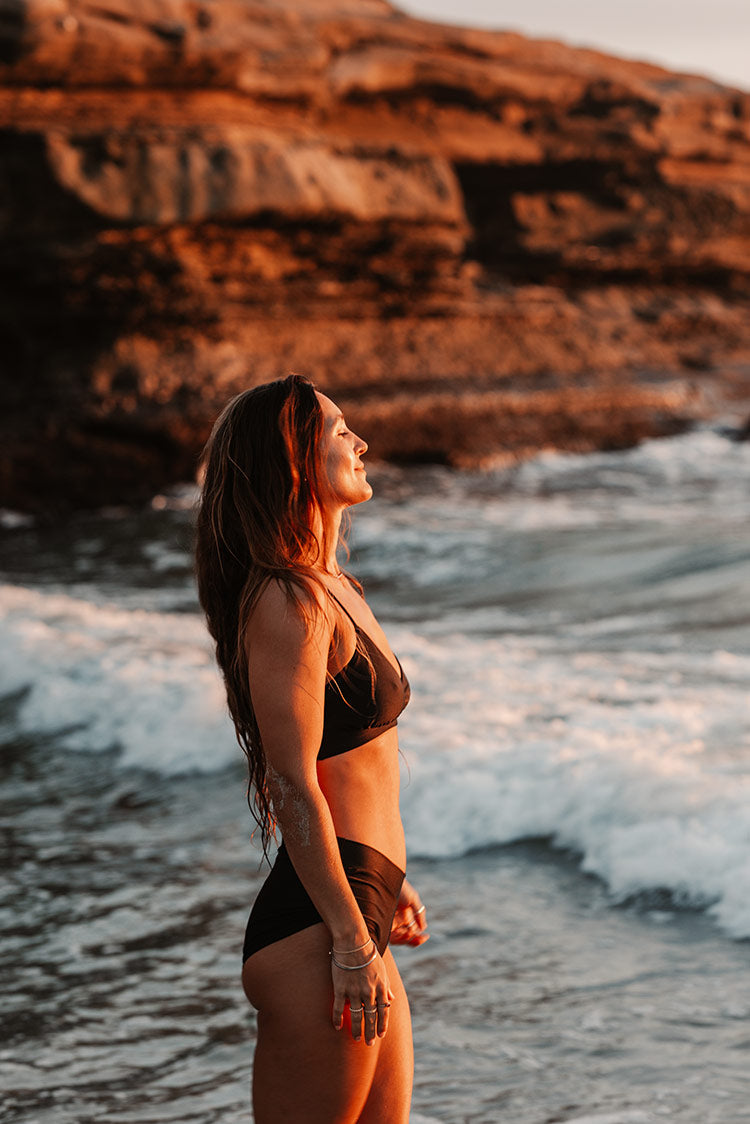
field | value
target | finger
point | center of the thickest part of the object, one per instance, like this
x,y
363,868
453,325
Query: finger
x,y
338,1012
408,934
419,929
356,1013
383,1016
371,1018
413,927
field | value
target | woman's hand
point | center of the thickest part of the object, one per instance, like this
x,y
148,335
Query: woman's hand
x,y
409,923
365,989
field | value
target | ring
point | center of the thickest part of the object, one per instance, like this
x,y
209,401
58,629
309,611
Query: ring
x,y
411,924
370,1010
420,910
355,1010
382,1005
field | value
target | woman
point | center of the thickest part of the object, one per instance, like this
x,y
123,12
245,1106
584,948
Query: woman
x,y
314,691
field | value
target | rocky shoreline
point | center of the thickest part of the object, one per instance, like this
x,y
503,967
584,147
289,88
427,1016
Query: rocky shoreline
x,y
481,244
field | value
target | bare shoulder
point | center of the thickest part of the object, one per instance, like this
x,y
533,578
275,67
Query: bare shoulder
x,y
280,619
286,643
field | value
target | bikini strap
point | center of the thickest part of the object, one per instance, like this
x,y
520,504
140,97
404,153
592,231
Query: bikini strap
x,y
351,618
371,644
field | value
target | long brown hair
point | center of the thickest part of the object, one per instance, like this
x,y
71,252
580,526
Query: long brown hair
x,y
259,505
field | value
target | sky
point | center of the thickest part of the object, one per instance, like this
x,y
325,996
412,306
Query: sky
x,y
710,37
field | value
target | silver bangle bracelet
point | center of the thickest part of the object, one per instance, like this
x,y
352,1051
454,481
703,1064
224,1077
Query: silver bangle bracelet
x,y
355,967
347,951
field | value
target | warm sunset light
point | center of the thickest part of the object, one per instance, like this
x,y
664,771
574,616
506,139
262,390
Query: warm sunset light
x,y
374,506
712,39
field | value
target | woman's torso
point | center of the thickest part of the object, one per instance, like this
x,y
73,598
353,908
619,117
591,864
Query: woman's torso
x,y
361,784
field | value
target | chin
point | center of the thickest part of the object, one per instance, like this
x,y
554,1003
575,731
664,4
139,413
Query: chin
x,y
360,494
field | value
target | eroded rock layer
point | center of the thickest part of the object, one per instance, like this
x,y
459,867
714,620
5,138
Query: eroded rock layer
x,y
481,244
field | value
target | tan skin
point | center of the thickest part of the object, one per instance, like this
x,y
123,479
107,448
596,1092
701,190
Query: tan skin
x,y
317,1061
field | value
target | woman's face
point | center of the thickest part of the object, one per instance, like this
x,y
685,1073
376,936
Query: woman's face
x,y
342,449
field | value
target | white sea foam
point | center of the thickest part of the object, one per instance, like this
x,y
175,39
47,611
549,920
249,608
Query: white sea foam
x,y
12,520
102,676
639,761
636,759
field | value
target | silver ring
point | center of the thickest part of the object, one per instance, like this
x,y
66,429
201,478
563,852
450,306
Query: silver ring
x,y
382,1005
355,1010
371,1010
420,910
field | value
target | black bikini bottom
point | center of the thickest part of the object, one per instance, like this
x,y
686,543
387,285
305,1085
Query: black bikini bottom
x,y
283,905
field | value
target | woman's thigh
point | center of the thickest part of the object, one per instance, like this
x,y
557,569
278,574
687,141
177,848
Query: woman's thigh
x,y
305,1072
390,1092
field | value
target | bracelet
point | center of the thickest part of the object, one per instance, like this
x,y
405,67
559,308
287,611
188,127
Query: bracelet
x,y
346,951
350,967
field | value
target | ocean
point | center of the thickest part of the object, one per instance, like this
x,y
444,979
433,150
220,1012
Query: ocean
x,y
576,798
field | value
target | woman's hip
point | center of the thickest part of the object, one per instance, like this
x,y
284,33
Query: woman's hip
x,y
283,906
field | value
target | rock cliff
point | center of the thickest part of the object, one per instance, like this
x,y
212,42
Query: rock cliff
x,y
481,244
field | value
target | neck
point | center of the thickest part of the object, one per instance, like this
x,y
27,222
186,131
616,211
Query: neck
x,y
328,534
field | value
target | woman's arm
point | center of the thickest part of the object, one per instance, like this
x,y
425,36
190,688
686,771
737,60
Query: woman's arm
x,y
287,661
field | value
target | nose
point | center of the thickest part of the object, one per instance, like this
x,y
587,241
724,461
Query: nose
x,y
361,447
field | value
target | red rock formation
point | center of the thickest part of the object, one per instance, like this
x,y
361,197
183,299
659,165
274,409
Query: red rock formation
x,y
480,243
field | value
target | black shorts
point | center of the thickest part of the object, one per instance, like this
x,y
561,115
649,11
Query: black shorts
x,y
283,905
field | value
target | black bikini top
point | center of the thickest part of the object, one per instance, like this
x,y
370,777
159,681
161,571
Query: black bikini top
x,y
361,703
